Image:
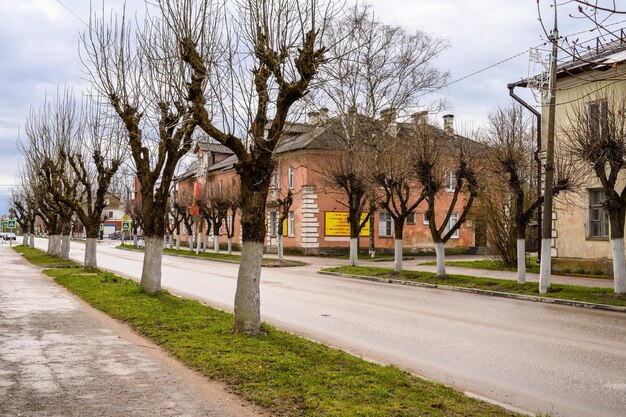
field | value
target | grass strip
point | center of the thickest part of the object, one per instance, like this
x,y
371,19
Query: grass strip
x,y
565,292
288,375
268,262
39,258
532,267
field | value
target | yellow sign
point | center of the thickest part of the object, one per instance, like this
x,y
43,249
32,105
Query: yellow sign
x,y
336,224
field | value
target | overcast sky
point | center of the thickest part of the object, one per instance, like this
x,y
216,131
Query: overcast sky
x,y
39,51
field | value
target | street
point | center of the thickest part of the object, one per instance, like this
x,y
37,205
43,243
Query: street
x,y
536,357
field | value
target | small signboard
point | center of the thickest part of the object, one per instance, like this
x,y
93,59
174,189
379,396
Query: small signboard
x,y
101,227
11,224
126,226
336,224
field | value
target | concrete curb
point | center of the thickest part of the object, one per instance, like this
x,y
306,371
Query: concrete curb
x,y
524,297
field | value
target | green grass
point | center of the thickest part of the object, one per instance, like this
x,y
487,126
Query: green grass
x,y
532,266
566,292
288,375
268,262
40,258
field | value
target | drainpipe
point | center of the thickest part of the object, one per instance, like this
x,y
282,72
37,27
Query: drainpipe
x,y
537,114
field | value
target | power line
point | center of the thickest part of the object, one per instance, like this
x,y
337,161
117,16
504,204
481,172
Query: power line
x,y
73,14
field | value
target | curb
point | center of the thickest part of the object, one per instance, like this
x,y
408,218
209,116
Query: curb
x,y
524,297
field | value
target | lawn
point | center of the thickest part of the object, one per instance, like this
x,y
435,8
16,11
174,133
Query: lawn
x,y
267,262
566,292
39,258
532,266
286,374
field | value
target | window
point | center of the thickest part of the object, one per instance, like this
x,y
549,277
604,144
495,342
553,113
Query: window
x,y
384,224
425,218
291,178
410,219
598,214
273,223
596,113
450,181
454,217
275,180
291,225
110,216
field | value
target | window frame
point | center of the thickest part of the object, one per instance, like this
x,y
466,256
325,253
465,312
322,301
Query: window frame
x,y
291,178
603,215
411,218
450,181
386,223
291,224
450,224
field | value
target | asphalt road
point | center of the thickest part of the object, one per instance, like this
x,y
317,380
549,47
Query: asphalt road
x,y
537,357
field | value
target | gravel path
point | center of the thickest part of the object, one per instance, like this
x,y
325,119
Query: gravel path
x,y
60,357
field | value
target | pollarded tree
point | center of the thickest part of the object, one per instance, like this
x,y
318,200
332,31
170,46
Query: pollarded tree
x,y
443,161
597,139
398,192
376,71
510,137
20,211
249,68
139,72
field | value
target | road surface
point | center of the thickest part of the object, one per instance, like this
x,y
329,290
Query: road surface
x,y
537,357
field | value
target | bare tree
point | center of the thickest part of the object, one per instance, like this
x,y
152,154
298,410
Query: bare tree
x,y
443,161
375,69
399,192
511,137
597,138
140,73
249,68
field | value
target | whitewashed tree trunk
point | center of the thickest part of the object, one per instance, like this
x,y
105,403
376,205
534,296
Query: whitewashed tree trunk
x,y
135,239
619,269
177,242
354,248
51,250
230,245
545,268
248,294
280,247
65,247
521,261
205,243
216,244
32,240
25,239
440,252
397,256
90,253
198,242
151,273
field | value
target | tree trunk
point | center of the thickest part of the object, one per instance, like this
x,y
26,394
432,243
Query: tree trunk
x,y
205,243
619,269
354,249
440,251
230,245
521,260
51,243
31,244
397,256
177,242
198,237
545,267
216,244
65,247
280,247
248,294
24,239
91,245
151,273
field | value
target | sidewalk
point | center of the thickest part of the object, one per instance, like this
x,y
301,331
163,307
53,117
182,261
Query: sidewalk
x,y
60,357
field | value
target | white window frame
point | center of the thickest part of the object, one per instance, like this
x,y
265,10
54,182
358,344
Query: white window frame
x,y
385,226
602,110
454,218
272,219
411,218
450,181
291,224
603,214
291,178
425,218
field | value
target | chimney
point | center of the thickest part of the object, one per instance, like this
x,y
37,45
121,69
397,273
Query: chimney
x,y
323,114
314,117
420,118
448,124
388,117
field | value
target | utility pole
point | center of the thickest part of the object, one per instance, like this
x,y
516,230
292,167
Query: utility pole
x,y
545,268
